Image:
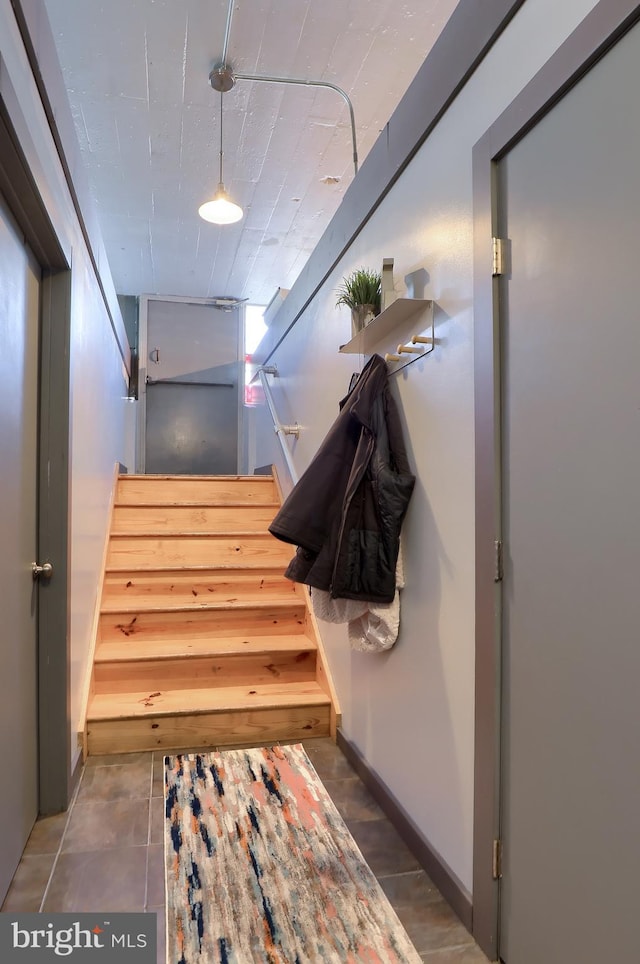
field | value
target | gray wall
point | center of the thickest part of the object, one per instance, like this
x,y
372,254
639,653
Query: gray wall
x,y
101,416
410,711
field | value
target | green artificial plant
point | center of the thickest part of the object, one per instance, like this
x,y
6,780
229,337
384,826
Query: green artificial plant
x,y
361,287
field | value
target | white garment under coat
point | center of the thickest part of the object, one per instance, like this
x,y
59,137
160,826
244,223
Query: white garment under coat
x,y
372,627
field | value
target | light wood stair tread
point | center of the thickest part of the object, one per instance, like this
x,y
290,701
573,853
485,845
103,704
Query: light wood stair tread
x,y
220,568
191,534
197,534
235,563
203,604
216,646
188,504
132,705
199,570
162,606
259,479
200,504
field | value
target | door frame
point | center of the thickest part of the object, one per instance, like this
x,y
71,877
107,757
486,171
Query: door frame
x,y
606,23
23,199
143,326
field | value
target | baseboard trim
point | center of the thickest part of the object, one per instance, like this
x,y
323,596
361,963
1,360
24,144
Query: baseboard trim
x,y
443,877
76,773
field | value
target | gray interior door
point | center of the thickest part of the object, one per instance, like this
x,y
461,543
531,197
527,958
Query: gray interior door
x,y
571,474
192,387
19,337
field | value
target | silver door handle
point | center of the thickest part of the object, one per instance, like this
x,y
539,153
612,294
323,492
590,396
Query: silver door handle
x,y
46,570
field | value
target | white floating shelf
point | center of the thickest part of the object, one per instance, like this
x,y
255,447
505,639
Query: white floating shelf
x,y
399,311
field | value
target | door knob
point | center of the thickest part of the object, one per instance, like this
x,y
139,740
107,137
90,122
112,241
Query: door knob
x,y
46,570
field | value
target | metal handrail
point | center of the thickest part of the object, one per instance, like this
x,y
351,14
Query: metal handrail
x,y
280,429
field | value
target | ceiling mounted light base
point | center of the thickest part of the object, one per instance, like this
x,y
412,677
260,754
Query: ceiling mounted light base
x,y
222,78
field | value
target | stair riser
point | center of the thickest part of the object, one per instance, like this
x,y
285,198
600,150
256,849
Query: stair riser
x,y
126,552
162,675
223,491
177,519
259,647
184,588
143,628
253,727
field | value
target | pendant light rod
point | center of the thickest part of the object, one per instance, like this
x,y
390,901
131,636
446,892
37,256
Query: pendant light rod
x,y
220,178
220,209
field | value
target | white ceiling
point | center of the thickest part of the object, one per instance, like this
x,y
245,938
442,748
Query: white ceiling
x,y
147,121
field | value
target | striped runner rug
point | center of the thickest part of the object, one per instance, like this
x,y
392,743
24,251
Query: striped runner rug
x,y
260,866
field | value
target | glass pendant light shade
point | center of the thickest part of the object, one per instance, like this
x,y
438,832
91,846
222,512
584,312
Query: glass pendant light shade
x,y
220,209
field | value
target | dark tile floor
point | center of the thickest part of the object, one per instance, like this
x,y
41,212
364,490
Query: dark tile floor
x,y
106,852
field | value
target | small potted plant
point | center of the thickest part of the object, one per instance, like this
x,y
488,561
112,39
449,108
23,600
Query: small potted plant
x,y
360,291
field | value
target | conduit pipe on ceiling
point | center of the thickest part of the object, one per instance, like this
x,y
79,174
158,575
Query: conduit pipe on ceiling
x,y
223,79
312,83
227,33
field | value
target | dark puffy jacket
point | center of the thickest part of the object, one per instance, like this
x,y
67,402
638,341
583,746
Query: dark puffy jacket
x,y
346,511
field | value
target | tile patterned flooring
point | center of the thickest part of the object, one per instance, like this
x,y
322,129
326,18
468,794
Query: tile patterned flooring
x,y
106,852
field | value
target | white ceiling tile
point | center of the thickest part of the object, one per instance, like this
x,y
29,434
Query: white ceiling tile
x,y
148,125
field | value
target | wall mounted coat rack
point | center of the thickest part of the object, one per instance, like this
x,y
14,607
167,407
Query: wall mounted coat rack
x,y
398,318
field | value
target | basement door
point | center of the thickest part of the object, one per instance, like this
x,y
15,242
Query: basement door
x,y
19,348
192,386
569,196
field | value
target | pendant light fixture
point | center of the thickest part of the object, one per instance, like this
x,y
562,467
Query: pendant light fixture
x,y
220,209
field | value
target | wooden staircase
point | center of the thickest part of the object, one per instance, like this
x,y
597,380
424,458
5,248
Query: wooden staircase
x,y
201,640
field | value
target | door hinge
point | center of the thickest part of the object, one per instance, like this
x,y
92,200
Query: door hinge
x,y
498,256
496,862
498,571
